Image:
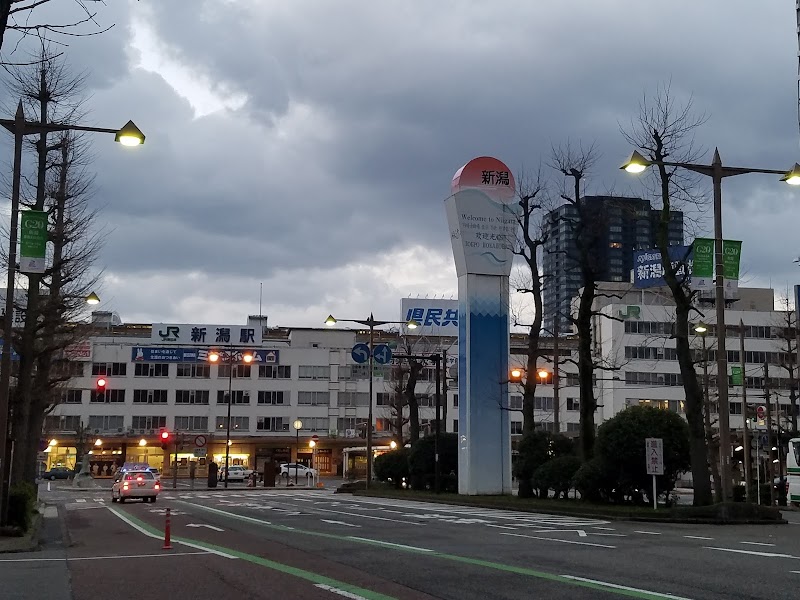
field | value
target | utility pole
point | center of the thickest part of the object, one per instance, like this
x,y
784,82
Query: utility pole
x,y
745,415
768,404
437,474
556,403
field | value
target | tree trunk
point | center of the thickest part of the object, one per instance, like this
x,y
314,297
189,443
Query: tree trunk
x,y
414,369
588,404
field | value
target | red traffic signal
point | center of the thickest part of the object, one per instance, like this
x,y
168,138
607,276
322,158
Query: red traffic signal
x,y
100,384
165,438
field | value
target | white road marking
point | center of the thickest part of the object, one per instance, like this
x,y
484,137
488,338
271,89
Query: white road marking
x,y
581,532
697,537
80,500
605,528
204,525
338,523
339,592
352,537
341,512
754,553
646,532
500,526
756,544
536,537
625,587
158,537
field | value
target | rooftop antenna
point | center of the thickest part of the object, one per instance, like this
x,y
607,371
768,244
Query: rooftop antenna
x,y
260,296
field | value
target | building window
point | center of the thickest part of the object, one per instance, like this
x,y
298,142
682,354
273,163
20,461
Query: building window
x,y
106,423
360,372
573,427
194,370
424,400
274,371
383,399
68,368
455,399
62,423
239,371
546,426
71,396
455,425
191,423
237,423
272,397
354,399
149,396
272,424
515,402
315,423
573,403
109,396
314,398
543,403
345,374
191,396
516,427
314,372
140,422
239,397
151,370
107,369
615,245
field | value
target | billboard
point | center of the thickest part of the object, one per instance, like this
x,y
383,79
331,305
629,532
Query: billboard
x,y
182,333
193,355
649,272
436,317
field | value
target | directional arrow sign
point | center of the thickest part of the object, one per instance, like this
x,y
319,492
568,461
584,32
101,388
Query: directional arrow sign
x,y
382,354
360,353
204,525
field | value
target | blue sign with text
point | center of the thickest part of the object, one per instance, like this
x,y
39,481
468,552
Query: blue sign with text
x,y
190,355
649,272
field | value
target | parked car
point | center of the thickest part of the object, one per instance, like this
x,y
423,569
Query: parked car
x,y
290,469
135,484
236,473
58,473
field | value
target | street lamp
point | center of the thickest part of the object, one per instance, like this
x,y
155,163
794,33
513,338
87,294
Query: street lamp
x,y
92,299
372,323
230,358
128,135
637,164
298,425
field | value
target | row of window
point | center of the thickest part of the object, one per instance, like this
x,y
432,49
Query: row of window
x,y
761,332
676,380
516,427
541,403
734,356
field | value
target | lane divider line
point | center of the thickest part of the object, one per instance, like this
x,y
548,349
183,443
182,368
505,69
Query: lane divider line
x,y
757,544
339,592
392,544
526,571
537,537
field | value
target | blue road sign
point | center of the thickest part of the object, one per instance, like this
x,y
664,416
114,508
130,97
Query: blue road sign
x,y
764,441
360,353
382,354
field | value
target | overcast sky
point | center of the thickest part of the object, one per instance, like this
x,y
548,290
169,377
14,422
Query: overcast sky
x,y
309,145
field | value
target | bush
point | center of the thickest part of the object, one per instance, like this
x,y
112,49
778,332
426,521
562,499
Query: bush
x,y
594,481
620,446
556,474
21,505
392,466
422,462
535,449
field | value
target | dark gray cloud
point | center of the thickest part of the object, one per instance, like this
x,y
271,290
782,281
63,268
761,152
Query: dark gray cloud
x,y
324,177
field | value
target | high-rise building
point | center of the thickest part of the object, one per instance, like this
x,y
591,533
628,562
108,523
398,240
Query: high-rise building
x,y
616,227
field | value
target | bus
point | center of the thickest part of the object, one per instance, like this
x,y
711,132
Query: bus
x,y
793,470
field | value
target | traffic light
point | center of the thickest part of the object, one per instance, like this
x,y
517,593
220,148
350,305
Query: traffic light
x,y
100,389
165,438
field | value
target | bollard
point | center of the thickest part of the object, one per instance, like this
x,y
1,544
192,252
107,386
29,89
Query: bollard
x,y
167,544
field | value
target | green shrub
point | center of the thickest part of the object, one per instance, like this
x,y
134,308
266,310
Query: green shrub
x,y
620,446
594,481
21,505
556,474
422,462
392,466
535,449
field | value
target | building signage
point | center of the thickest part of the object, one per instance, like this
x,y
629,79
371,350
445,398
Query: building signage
x,y
79,351
33,241
435,317
20,302
649,272
204,335
655,456
190,355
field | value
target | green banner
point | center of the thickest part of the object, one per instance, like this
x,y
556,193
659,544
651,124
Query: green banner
x,y
731,253
703,258
33,241
736,375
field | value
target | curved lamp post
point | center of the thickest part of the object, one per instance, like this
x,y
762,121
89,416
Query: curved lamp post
x,y
637,164
298,425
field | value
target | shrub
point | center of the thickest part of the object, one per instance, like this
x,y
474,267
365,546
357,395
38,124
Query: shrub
x,y
21,505
392,466
535,449
594,481
422,461
620,446
556,474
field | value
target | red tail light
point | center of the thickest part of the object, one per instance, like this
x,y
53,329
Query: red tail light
x,y
125,486
157,487
139,478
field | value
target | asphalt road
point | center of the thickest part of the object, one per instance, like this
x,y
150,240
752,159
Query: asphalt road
x,y
314,544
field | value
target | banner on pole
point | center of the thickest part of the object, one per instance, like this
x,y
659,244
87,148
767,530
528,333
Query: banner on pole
x,y
33,241
703,264
731,255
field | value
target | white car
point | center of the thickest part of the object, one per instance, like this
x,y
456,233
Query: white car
x,y
291,469
135,484
235,473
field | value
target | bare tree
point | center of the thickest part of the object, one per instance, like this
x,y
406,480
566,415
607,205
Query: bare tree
x,y
23,16
575,163
664,131
533,203
786,333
